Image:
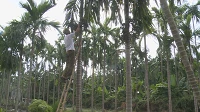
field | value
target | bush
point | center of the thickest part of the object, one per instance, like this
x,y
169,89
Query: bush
x,y
2,110
39,106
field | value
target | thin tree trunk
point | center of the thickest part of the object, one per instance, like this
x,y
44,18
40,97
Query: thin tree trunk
x,y
44,83
195,105
8,90
18,83
29,82
73,94
135,63
39,88
79,65
31,67
78,84
82,85
92,97
128,80
184,57
195,43
175,65
59,86
161,64
116,85
2,88
103,84
54,86
128,59
48,80
169,84
34,84
146,76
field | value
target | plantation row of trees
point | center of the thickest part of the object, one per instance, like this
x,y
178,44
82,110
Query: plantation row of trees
x,y
130,76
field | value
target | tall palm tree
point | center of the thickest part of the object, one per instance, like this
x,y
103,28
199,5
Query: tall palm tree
x,y
146,75
126,37
167,41
191,15
79,65
38,25
95,33
60,62
50,54
16,34
194,13
174,30
161,28
91,11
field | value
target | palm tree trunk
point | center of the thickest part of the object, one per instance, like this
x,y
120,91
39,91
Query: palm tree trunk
x,y
79,65
78,83
34,84
190,73
195,43
44,83
128,59
39,88
195,105
175,64
103,84
73,94
2,88
31,66
161,66
48,80
54,86
146,75
169,84
18,83
59,84
128,79
8,90
92,97
29,82
116,85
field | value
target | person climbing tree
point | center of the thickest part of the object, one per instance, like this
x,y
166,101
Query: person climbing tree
x,y
70,51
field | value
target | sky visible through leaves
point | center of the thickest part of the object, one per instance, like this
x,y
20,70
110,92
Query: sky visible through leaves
x,y
10,9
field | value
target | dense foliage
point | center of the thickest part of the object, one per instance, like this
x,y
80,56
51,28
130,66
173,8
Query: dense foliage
x,y
39,106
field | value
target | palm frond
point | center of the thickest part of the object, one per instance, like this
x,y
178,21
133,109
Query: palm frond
x,y
32,3
27,7
71,12
43,7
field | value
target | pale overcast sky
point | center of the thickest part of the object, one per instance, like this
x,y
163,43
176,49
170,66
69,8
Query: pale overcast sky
x,y
10,9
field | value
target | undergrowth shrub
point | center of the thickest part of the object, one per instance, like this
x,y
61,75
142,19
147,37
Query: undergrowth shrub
x,y
39,106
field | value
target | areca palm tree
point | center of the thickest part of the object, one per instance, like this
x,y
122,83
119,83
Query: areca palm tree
x,y
95,33
107,32
190,73
91,12
126,37
194,13
38,25
50,50
141,21
167,41
60,62
161,22
145,19
190,14
14,36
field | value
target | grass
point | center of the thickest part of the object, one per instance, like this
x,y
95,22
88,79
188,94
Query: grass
x,y
89,110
